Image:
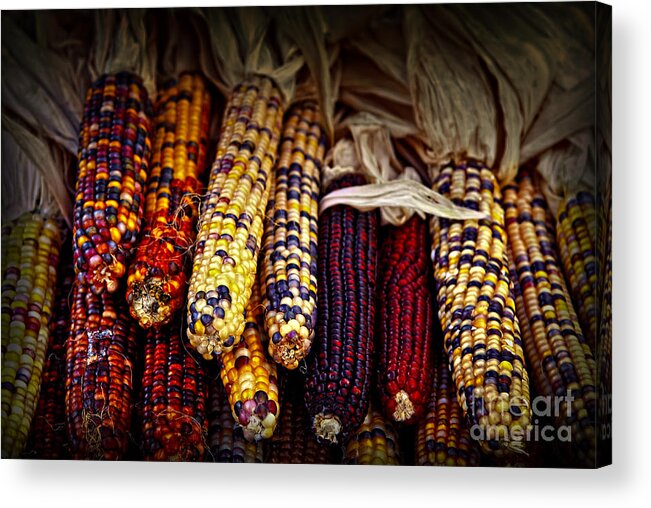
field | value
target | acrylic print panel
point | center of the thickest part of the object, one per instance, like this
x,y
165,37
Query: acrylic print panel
x,y
368,241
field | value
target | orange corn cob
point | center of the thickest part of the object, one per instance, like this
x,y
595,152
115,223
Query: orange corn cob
x,y
157,279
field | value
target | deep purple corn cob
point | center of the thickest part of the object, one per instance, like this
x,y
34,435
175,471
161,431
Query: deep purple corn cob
x,y
338,383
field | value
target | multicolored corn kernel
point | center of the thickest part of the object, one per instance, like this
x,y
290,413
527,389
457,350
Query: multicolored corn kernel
x,y
374,443
28,288
442,438
576,236
250,378
561,360
173,398
406,321
232,216
289,252
101,353
338,383
157,279
114,148
477,311
47,434
294,442
225,437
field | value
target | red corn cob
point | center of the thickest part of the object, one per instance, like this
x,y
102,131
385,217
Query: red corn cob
x,y
406,312
173,396
113,155
47,438
339,379
101,350
293,442
157,280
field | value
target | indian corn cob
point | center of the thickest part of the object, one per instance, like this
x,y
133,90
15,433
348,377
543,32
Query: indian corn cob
x,y
28,286
113,157
561,360
225,437
47,435
250,379
576,236
293,442
173,398
374,443
442,437
157,279
101,352
338,382
406,321
477,311
231,221
289,249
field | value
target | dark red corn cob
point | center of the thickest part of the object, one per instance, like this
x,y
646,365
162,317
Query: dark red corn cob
x,y
338,383
100,355
293,442
406,321
225,437
173,398
114,148
47,437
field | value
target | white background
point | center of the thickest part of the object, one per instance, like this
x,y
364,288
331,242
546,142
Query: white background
x,y
626,483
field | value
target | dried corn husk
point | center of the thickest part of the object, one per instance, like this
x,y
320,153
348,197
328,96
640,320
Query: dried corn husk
x,y
29,169
44,83
480,74
395,189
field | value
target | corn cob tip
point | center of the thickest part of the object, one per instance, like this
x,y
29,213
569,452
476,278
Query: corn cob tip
x,y
149,304
106,278
404,407
327,427
259,428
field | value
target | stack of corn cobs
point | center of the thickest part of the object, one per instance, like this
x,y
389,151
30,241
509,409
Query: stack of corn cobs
x,y
211,313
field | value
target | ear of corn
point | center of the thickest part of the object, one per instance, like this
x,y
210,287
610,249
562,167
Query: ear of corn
x,y
173,398
101,352
114,148
443,438
374,443
28,286
225,437
338,381
576,235
294,442
157,279
47,435
289,249
231,221
406,311
250,379
561,360
477,310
